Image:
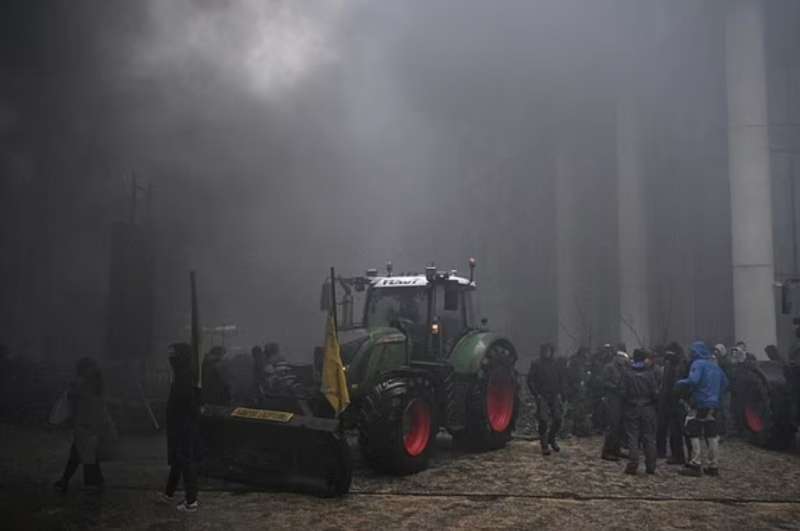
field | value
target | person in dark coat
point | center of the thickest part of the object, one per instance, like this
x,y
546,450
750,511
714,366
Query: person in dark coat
x,y
579,412
546,383
612,381
90,422
639,390
183,410
671,413
595,388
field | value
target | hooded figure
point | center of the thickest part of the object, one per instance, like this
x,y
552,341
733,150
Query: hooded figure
x,y
706,380
546,383
639,387
706,384
183,410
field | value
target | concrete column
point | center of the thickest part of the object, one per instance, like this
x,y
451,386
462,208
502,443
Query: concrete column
x,y
569,296
632,228
749,168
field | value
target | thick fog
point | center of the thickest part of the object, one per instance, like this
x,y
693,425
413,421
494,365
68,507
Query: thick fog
x,y
282,138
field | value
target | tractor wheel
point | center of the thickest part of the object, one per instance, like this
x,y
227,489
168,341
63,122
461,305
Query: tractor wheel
x,y
492,402
762,402
398,425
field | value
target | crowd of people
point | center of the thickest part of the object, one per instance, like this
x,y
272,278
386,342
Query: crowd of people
x,y
670,404
665,403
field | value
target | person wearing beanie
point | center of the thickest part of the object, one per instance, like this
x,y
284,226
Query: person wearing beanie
x,y
612,381
639,389
706,383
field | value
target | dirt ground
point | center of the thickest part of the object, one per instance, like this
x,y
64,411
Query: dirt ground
x,y
512,488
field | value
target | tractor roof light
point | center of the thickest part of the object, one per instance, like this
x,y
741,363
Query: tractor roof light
x,y
472,269
371,273
389,268
435,328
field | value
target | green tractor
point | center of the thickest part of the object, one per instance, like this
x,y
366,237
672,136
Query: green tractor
x,y
416,362
419,361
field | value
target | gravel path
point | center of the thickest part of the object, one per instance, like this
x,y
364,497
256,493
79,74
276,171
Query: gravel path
x,y
512,488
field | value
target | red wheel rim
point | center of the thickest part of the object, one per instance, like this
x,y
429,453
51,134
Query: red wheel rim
x,y
416,427
754,421
500,400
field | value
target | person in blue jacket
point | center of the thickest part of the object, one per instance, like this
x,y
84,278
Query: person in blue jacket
x,y
706,384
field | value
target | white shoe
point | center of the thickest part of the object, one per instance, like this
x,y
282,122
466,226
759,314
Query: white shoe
x,y
187,507
164,499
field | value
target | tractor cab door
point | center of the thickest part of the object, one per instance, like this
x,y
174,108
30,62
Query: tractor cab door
x,y
452,312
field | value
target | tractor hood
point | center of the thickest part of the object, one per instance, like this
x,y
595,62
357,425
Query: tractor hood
x,y
350,341
372,352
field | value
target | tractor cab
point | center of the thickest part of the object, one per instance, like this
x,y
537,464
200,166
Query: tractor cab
x,y
433,310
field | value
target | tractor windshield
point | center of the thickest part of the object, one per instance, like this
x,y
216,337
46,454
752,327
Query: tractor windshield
x,y
389,305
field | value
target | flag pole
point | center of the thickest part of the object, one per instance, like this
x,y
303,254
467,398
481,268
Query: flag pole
x,y
333,305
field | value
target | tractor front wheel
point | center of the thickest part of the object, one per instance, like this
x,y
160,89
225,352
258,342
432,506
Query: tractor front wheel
x,y
397,427
492,403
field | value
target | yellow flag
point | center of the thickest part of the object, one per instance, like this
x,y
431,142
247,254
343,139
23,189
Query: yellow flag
x,y
334,380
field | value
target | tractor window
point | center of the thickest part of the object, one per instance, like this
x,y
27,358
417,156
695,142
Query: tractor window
x,y
388,305
451,295
450,311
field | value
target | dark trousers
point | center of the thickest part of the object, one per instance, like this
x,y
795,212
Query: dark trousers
x,y
662,430
670,430
613,438
676,435
549,416
189,474
92,475
640,426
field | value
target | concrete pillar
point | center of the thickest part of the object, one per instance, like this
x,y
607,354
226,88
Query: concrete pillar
x,y
634,319
572,302
749,168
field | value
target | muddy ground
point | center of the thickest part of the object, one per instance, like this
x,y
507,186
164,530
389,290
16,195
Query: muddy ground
x,y
511,488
